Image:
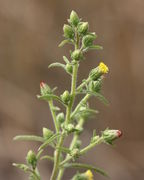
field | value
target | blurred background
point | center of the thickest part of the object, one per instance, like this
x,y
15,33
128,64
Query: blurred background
x,y
30,31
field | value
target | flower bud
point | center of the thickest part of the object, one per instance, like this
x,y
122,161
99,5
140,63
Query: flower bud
x,y
79,128
77,55
69,68
103,68
78,144
83,28
95,86
98,71
84,176
31,159
75,153
110,135
60,118
65,97
47,133
74,19
89,175
44,88
88,40
70,128
68,31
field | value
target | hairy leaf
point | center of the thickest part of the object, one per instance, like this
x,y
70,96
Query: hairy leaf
x,y
66,60
64,42
57,64
48,157
28,138
23,167
50,140
96,94
86,166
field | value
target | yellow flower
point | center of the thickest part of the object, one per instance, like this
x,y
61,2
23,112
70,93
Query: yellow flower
x,y
89,175
103,68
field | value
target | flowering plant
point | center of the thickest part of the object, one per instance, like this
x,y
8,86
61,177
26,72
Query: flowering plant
x,y
76,33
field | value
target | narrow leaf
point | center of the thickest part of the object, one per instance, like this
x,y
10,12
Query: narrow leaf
x,y
50,140
23,167
97,47
98,95
28,138
57,64
47,157
86,166
49,97
66,60
64,42
64,149
39,154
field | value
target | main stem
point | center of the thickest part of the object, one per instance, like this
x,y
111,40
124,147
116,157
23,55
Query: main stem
x,y
68,113
72,145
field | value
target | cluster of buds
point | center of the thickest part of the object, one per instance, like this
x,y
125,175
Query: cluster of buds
x,y
88,175
78,28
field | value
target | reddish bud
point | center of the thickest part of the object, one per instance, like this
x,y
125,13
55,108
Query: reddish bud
x,y
119,133
42,84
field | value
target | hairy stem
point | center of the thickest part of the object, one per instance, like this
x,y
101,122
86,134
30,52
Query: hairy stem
x,y
83,101
68,113
53,115
84,150
72,145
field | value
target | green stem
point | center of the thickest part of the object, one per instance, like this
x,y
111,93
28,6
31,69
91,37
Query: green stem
x,y
83,101
84,150
68,113
83,84
53,115
56,158
36,174
72,145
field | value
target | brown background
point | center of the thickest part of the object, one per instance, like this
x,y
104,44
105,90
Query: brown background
x,y
30,31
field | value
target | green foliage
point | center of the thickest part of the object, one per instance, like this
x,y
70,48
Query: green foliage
x,y
72,120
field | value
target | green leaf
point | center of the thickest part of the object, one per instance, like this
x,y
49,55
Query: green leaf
x,y
97,47
64,149
48,157
86,113
49,97
54,89
28,138
89,111
55,108
39,154
57,64
64,42
50,140
23,167
85,166
98,95
66,60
